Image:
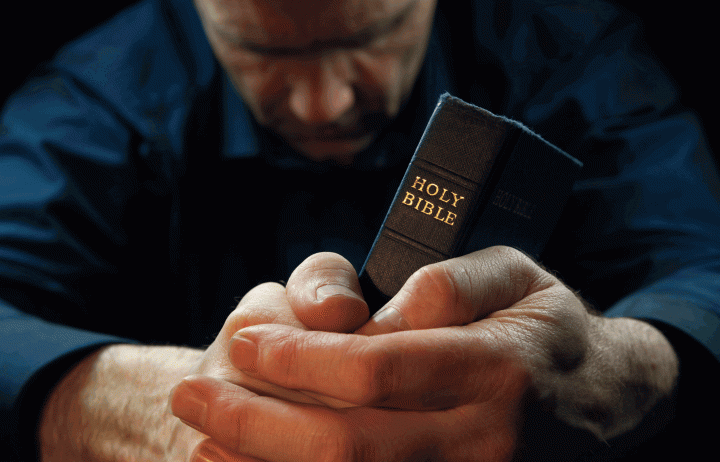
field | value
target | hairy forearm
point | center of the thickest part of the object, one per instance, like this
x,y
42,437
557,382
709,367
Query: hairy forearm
x,y
113,405
630,368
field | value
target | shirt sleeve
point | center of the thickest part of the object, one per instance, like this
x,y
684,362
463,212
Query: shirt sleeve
x,y
65,175
640,236
35,355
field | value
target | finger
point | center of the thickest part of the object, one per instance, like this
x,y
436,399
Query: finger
x,y
267,304
325,294
264,304
240,422
459,291
210,451
237,420
421,369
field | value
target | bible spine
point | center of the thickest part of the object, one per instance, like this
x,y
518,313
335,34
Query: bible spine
x,y
475,180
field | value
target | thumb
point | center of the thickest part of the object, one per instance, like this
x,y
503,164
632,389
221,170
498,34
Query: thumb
x,y
461,290
325,294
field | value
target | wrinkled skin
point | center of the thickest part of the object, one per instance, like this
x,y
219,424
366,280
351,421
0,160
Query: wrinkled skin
x,y
489,332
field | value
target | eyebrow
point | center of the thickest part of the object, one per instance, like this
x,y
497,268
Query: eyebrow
x,y
355,40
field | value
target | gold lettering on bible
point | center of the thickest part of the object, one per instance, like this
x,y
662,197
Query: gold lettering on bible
x,y
431,208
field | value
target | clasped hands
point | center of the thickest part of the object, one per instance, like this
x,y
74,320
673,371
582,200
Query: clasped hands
x,y
443,372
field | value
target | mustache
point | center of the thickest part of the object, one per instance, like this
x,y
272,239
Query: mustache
x,y
362,126
367,116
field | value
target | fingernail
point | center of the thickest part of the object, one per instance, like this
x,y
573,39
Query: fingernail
x,y
332,290
243,353
189,405
390,320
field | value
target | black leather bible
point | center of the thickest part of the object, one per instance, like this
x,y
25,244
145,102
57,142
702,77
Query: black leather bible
x,y
476,180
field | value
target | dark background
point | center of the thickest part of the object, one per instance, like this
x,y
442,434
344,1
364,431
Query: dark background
x,y
683,40
682,37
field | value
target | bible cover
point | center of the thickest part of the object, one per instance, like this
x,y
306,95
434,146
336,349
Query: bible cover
x,y
475,180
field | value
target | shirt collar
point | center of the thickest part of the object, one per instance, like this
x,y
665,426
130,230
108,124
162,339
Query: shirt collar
x,y
240,137
190,29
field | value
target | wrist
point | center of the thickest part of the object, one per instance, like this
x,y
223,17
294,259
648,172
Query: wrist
x,y
630,368
642,357
113,403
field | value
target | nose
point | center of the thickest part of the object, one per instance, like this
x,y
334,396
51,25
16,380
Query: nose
x,y
321,90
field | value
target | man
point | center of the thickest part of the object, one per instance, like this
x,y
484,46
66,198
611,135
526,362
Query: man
x,y
144,195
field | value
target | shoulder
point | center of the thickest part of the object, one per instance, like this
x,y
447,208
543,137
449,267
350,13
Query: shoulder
x,y
138,63
550,27
586,55
522,48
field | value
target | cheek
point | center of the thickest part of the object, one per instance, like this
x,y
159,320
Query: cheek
x,y
257,81
261,87
390,73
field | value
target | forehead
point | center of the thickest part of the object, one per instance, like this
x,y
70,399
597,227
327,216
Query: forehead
x,y
294,22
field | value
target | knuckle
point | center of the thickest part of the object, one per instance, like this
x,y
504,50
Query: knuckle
x,y
446,291
264,304
376,377
518,271
233,421
239,319
437,280
286,357
333,440
337,446
436,275
517,261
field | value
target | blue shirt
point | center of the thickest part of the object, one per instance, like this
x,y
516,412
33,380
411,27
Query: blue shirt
x,y
138,197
